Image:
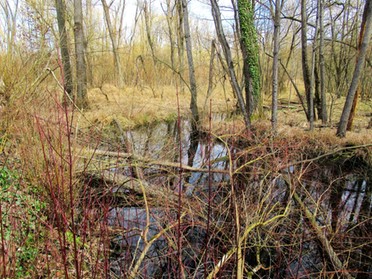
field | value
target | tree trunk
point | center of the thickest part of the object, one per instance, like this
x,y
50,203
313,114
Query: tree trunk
x,y
193,89
119,71
169,16
148,23
361,35
249,47
366,34
180,43
314,71
10,21
317,94
274,104
65,53
324,114
230,65
210,76
89,50
81,72
305,66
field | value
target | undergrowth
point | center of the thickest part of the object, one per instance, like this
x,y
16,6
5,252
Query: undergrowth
x,y
77,203
22,216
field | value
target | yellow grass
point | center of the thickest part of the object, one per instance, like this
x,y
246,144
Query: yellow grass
x,y
138,106
134,106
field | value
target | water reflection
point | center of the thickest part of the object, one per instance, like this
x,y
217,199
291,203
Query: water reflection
x,y
339,202
163,141
351,202
130,241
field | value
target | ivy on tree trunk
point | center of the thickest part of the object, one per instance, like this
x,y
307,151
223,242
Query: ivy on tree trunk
x,y
250,50
229,61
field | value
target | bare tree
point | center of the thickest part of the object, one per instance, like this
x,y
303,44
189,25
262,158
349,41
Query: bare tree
x,y
324,114
121,14
8,20
210,76
305,66
193,88
343,25
119,71
88,42
146,13
274,105
65,53
180,42
314,68
81,72
230,65
169,14
10,12
360,40
365,34
148,28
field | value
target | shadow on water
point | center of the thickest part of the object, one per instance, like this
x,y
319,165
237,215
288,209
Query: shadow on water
x,y
341,199
165,141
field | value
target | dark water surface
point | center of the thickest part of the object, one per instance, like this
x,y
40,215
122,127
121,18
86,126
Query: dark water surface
x,y
340,199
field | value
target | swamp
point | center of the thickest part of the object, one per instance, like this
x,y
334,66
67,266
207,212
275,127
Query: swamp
x,y
185,139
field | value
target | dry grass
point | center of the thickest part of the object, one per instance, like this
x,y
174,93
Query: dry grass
x,y
134,107
140,106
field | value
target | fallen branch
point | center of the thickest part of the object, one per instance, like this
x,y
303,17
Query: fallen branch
x,y
145,162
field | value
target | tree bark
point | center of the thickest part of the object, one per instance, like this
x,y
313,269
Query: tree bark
x,y
119,71
366,34
361,35
180,43
230,65
305,66
169,16
210,76
193,88
249,47
148,24
324,114
89,50
65,53
314,79
274,104
81,72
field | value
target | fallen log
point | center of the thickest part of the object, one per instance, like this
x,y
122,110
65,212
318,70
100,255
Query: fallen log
x,y
138,161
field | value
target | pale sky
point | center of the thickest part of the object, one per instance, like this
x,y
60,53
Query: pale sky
x,y
197,8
